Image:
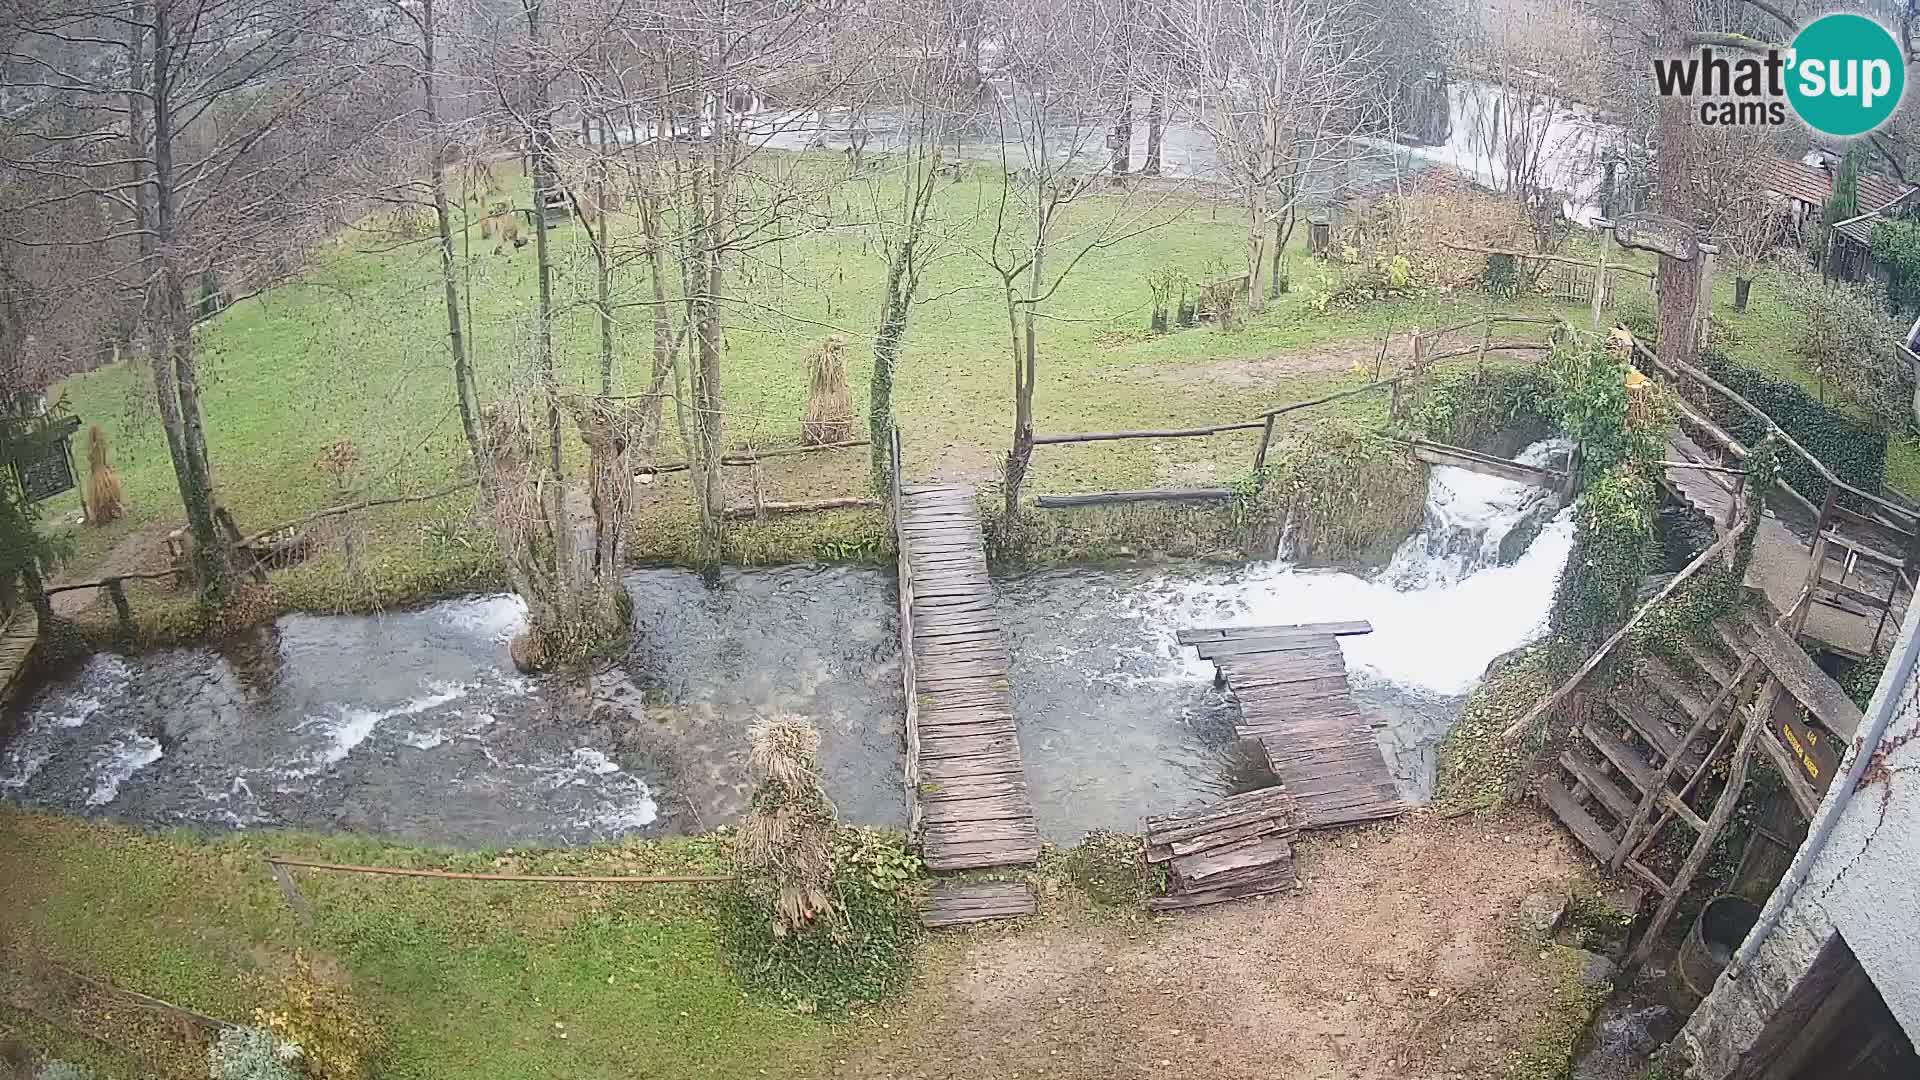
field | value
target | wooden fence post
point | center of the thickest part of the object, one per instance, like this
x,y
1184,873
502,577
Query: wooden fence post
x,y
1266,440
1600,282
1816,569
122,611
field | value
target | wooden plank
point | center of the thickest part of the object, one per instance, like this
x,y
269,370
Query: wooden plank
x,y
1576,819
1631,765
1196,868
1280,881
1192,635
1604,791
955,903
1801,677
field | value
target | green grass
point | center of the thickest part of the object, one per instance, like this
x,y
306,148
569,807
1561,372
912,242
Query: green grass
x,y
357,350
470,979
1765,340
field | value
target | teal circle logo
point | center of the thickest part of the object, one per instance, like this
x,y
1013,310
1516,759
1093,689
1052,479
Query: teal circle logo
x,y
1845,75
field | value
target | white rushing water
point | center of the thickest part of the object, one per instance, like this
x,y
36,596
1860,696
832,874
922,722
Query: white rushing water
x,y
1444,607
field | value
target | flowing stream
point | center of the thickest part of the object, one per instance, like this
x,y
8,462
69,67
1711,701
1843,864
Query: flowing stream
x,y
414,724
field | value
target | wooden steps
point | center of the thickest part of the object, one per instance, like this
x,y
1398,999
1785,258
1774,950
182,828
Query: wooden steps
x,y
1239,847
970,783
1581,824
956,903
1594,780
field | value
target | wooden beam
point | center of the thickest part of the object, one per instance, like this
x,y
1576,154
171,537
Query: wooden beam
x,y
1199,634
1434,453
1107,498
841,502
1112,436
1527,718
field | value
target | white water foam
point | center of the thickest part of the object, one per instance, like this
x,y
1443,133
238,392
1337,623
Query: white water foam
x,y
354,725
1438,619
497,618
622,802
126,755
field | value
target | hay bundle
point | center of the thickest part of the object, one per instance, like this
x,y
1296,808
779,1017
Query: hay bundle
x,y
829,416
785,854
105,501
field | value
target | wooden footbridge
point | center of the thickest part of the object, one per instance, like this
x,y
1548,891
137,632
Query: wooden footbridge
x,y
1291,683
18,635
963,757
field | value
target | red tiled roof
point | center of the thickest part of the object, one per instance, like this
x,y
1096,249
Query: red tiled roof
x,y
1812,184
1798,181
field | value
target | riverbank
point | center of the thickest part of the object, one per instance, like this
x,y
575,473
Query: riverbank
x,y
1375,969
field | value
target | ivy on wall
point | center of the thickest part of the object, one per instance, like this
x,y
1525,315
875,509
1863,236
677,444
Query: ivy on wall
x,y
1854,451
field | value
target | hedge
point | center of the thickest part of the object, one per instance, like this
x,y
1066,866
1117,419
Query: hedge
x,y
1855,451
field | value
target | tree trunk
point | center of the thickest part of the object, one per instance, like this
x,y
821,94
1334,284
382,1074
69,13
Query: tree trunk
x,y
170,331
463,390
708,231
1678,283
1742,286
886,358
603,265
1026,363
1256,258
1156,118
1123,138
663,346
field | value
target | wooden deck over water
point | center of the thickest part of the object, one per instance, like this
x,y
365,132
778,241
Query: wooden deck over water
x,y
968,782
17,639
1291,682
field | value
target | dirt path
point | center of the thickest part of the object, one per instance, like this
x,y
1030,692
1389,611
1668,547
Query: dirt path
x,y
1400,957
142,550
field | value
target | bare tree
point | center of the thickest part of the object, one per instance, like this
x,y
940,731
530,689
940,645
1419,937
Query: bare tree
x,y
1286,85
210,137
1052,211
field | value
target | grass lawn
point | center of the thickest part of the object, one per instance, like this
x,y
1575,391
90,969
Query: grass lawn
x,y
356,350
471,979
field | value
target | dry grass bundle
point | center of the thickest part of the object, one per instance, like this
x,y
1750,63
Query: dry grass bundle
x,y
829,416
1421,221
105,500
785,854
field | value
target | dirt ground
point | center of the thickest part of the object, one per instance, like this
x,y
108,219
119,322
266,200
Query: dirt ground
x,y
1400,956
137,552
1335,358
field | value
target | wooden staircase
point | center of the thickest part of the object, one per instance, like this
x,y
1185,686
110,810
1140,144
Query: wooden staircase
x,y
1639,766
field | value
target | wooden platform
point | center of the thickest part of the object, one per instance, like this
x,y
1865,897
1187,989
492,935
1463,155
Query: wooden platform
x,y
17,639
1780,558
1291,682
956,903
969,784
1239,847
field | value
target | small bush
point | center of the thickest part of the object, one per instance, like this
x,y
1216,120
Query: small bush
x,y
1846,336
1109,867
336,1038
251,1053
862,953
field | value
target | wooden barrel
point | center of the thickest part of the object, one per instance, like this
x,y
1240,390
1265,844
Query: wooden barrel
x,y
1723,924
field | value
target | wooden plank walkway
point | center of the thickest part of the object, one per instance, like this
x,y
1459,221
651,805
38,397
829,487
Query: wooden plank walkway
x,y
955,903
17,640
969,783
1780,555
1291,682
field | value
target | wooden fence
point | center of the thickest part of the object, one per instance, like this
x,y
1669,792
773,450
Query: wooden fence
x,y
908,676
1875,530
1419,364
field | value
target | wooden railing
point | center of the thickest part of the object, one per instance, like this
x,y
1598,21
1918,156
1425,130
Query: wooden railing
x,y
1419,364
1880,532
908,676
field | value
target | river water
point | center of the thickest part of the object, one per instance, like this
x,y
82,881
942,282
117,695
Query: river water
x,y
415,725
